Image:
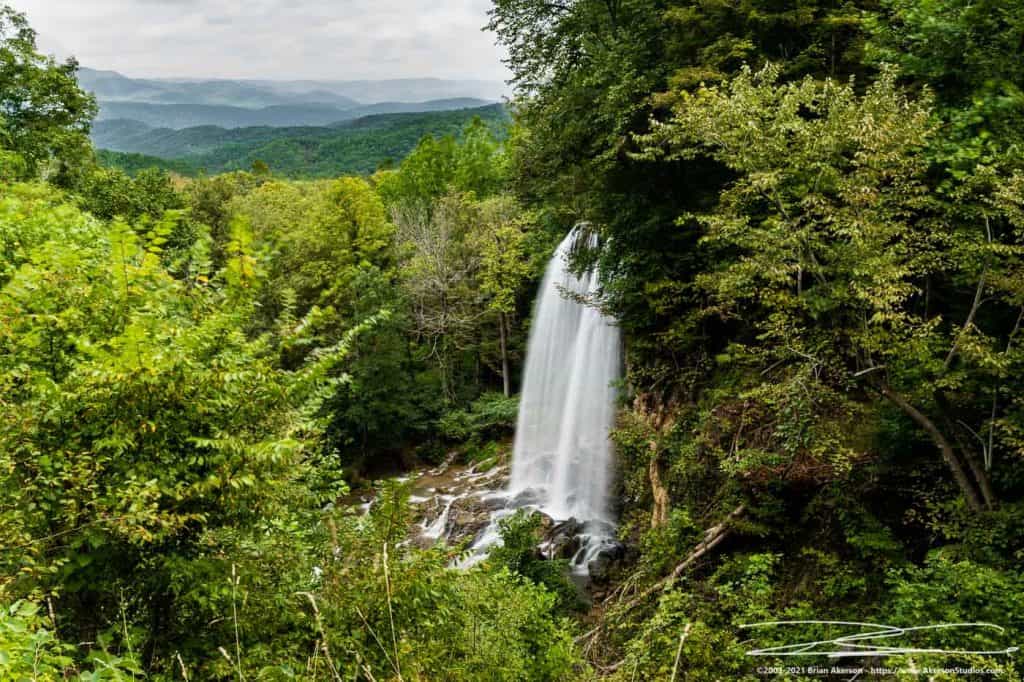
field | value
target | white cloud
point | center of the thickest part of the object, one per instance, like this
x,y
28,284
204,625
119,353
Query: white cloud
x,y
287,39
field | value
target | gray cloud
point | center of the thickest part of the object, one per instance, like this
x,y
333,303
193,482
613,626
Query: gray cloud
x,y
315,39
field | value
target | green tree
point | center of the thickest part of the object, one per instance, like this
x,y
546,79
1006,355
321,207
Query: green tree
x,y
44,115
823,251
958,48
474,163
504,269
145,437
966,54
589,75
107,193
465,255
439,269
331,262
208,201
322,234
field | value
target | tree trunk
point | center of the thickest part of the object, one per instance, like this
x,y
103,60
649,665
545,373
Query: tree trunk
x,y
659,513
503,340
967,449
940,440
979,474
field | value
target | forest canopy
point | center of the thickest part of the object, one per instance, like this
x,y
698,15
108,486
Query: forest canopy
x,y
809,226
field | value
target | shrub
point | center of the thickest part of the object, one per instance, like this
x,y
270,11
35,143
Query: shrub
x,y
492,415
518,553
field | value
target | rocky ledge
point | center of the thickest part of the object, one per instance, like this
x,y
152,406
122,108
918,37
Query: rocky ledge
x,y
462,504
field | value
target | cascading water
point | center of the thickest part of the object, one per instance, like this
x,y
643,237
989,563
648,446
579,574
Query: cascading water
x,y
562,459
562,452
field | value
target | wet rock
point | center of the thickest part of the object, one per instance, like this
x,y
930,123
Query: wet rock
x,y
562,540
468,517
457,497
493,502
605,560
526,498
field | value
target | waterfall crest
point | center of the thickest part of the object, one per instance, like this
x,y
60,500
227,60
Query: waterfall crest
x,y
562,456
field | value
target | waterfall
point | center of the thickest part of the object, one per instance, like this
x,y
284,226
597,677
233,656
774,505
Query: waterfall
x,y
562,456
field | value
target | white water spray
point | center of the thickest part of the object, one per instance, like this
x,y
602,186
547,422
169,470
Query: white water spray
x,y
562,453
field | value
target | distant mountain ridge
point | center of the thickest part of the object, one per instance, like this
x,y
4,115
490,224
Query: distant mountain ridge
x,y
110,86
113,86
125,135
357,146
300,128
180,116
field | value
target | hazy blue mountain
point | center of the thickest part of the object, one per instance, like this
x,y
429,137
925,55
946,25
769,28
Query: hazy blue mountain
x,y
358,146
120,134
399,89
189,115
112,86
179,116
412,107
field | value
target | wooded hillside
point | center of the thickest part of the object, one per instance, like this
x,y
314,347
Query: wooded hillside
x,y
810,228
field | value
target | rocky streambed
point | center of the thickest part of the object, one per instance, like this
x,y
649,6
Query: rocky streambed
x,y
463,504
454,503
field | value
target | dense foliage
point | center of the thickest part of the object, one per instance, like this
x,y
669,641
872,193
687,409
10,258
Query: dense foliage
x,y
179,392
812,236
812,225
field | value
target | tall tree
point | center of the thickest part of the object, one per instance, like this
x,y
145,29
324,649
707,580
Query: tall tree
x,y
504,269
591,74
825,245
439,273
44,115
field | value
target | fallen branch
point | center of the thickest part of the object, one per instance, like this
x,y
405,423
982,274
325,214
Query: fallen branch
x,y
712,538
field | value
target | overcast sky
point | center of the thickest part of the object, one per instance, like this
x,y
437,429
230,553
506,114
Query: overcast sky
x,y
283,39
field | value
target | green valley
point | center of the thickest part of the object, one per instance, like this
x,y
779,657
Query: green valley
x,y
357,146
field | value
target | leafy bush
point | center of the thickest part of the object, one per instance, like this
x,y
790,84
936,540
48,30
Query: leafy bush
x,y
945,590
706,651
146,443
518,553
492,415
29,650
107,193
385,607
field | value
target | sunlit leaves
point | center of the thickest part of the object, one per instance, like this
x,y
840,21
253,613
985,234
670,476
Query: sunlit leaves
x,y
137,408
